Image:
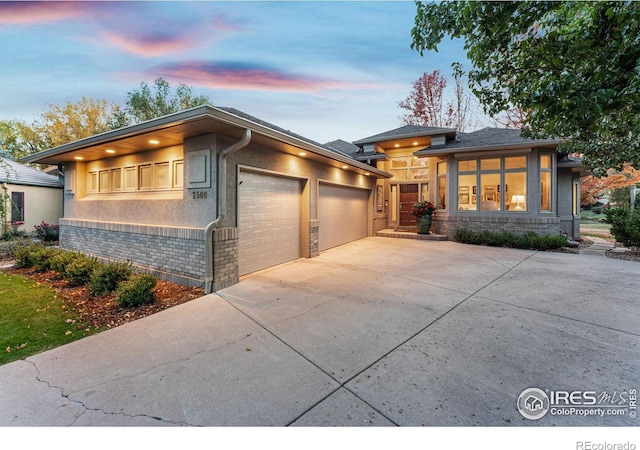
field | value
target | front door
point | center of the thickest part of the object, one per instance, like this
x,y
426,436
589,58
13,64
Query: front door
x,y
408,196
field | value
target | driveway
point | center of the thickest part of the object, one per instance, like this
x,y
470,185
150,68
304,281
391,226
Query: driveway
x,y
379,332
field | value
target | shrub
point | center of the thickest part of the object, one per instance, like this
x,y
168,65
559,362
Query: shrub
x,y
136,291
47,232
106,277
79,271
26,255
625,225
43,257
61,260
529,240
596,210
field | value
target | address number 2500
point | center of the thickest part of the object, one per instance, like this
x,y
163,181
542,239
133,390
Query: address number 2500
x,y
199,195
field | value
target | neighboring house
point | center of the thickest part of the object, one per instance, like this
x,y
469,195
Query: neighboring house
x,y
490,179
31,196
207,195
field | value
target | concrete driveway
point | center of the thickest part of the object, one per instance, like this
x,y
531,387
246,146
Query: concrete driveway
x,y
378,332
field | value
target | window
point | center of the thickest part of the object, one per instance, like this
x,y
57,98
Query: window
x,y
546,171
163,176
442,185
144,176
104,181
409,168
17,207
492,184
166,175
92,182
130,179
116,179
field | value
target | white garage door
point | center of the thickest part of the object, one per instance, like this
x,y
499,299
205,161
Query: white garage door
x,y
342,212
268,221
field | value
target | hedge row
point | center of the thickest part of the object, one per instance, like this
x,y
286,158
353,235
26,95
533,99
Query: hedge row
x,y
529,240
82,270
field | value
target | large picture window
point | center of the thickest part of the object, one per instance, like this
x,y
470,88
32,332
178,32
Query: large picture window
x,y
492,184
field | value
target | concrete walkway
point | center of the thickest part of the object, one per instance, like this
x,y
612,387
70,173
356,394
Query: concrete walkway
x,y
599,247
379,332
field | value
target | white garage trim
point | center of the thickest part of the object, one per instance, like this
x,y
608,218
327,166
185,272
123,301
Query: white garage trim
x,y
343,213
269,220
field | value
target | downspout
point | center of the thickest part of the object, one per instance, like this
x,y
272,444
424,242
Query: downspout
x,y
221,206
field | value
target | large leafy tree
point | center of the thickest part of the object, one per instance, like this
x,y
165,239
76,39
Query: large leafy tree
x,y
58,125
573,66
143,104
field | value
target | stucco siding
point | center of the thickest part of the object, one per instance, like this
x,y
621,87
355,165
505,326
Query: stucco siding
x,y
40,204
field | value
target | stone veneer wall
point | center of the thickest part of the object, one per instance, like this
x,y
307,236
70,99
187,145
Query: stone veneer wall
x,y
448,225
225,258
380,222
170,253
314,238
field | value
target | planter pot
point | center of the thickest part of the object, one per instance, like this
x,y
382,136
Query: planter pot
x,y
423,223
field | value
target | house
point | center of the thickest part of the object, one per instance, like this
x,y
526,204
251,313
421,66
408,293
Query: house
x,y
207,195
31,196
490,179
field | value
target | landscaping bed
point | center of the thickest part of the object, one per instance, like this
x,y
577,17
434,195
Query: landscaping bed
x,y
101,311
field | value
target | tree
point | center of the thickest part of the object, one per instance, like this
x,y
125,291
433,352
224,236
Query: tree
x,y
426,106
17,140
512,118
144,105
59,125
591,187
424,103
573,66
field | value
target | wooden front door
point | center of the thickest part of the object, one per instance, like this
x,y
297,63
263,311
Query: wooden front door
x,y
408,196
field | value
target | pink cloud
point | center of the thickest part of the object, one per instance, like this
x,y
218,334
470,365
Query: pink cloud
x,y
150,45
241,76
28,13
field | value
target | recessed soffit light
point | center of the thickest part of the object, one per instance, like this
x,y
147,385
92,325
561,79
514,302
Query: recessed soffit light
x,y
154,141
110,150
79,158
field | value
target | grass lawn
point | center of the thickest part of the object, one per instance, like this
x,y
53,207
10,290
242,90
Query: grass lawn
x,y
34,319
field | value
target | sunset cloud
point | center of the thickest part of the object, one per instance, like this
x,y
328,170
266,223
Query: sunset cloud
x,y
150,45
250,77
29,13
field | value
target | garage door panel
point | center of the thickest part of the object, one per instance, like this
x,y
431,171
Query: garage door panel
x,y
343,215
268,221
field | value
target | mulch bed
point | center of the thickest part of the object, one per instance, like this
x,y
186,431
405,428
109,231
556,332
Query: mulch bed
x,y
103,311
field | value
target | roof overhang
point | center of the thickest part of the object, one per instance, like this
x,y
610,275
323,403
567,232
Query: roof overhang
x,y
406,139
174,129
550,144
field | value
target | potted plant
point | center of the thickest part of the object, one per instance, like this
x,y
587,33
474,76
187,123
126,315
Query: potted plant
x,y
423,212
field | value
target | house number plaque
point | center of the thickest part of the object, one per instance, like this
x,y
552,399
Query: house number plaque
x,y
199,195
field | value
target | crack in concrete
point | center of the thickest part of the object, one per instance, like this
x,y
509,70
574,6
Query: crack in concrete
x,y
69,398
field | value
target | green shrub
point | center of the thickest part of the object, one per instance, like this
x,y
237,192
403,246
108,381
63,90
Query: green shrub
x,y
106,277
8,248
79,271
61,260
528,240
136,291
596,210
625,225
43,257
25,255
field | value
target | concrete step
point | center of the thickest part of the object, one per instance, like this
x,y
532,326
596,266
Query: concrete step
x,y
402,234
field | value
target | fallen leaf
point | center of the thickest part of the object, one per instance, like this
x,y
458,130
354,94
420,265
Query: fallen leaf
x,y
248,349
21,346
8,349
68,332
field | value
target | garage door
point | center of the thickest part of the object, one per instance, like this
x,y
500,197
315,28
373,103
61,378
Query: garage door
x,y
268,221
342,212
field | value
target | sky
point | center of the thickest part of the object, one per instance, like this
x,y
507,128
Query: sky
x,y
325,70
